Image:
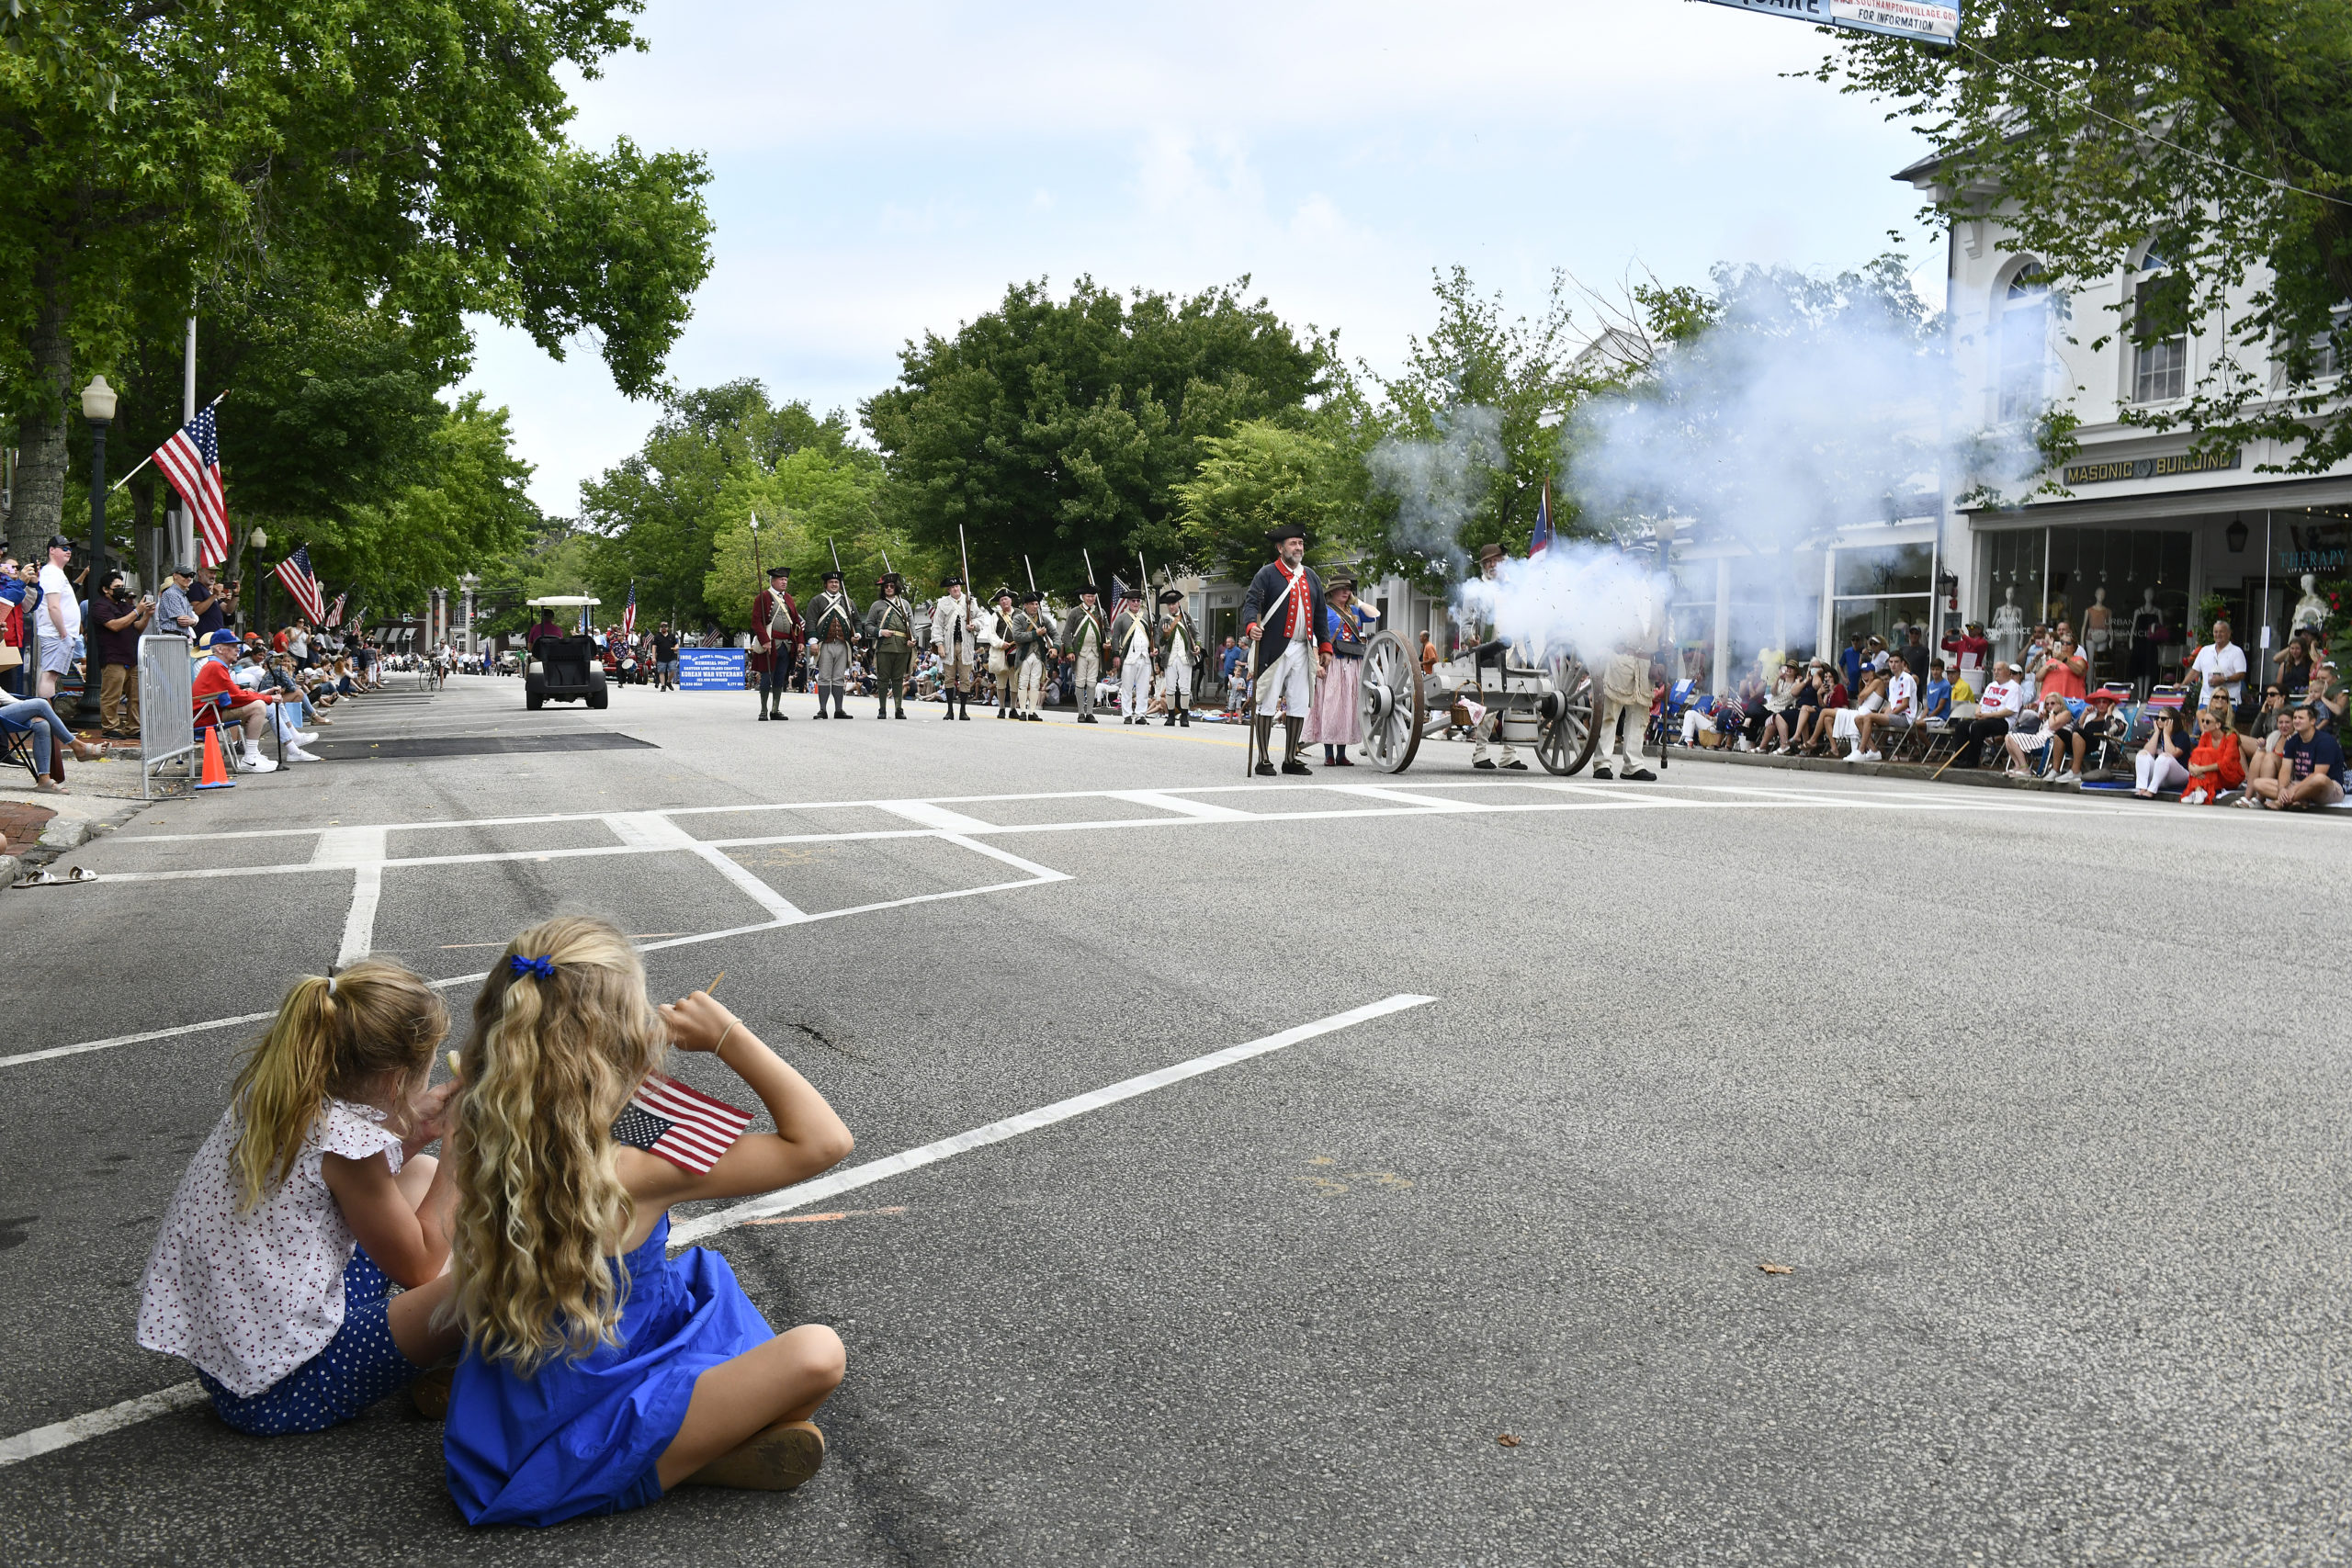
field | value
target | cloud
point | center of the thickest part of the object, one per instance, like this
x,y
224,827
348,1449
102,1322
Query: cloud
x,y
887,170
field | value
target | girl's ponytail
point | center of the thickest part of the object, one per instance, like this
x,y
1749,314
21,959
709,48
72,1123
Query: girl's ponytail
x,y
337,1038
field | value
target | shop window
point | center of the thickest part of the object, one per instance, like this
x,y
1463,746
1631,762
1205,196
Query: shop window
x,y
2025,345
1889,568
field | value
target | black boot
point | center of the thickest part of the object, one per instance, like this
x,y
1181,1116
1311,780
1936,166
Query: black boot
x,y
765,699
964,711
883,711
1184,718
1169,722
1292,730
948,696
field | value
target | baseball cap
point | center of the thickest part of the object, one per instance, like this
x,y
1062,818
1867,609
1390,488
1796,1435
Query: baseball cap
x,y
221,637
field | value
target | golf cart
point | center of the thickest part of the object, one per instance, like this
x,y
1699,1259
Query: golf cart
x,y
566,668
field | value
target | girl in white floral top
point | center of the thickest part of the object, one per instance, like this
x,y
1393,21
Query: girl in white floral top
x,y
273,1271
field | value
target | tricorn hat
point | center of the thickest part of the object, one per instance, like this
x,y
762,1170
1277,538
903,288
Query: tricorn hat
x,y
889,580
1170,596
951,580
1031,597
778,571
1338,581
1282,531
1091,590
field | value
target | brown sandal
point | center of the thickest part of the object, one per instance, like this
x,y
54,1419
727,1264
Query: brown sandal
x,y
776,1459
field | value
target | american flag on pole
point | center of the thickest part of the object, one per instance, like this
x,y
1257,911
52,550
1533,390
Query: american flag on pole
x,y
295,572
629,612
335,612
192,461
683,1125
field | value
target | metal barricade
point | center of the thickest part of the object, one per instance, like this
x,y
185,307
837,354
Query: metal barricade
x,y
166,708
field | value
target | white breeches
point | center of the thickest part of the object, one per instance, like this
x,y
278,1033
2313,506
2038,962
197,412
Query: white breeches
x,y
1287,686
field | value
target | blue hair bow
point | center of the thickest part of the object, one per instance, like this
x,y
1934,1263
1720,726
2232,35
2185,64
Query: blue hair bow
x,y
543,967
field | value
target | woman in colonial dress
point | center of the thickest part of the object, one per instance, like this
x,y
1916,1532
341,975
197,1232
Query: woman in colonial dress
x,y
1335,721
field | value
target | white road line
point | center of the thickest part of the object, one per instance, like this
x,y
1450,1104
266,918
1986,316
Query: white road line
x,y
1427,803
931,815
1162,801
180,1397
349,846
650,830
1038,876
97,1423
866,1174
360,921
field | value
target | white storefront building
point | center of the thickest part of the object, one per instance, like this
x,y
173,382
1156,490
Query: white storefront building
x,y
2147,530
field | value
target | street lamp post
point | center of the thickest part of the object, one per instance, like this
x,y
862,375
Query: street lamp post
x,y
98,407
469,582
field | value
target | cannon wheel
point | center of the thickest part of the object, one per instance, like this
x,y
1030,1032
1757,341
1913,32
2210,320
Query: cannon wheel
x,y
1565,745
1389,704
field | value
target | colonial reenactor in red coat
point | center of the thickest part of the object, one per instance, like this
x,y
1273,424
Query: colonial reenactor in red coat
x,y
776,636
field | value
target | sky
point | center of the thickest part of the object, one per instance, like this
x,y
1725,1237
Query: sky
x,y
886,170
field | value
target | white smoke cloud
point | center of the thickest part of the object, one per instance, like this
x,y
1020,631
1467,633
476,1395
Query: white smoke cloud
x,y
1438,484
1576,597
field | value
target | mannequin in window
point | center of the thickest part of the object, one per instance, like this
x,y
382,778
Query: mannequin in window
x,y
2097,622
2147,631
2008,628
2310,609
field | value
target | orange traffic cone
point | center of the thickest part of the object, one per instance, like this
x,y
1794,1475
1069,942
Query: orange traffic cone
x,y
216,770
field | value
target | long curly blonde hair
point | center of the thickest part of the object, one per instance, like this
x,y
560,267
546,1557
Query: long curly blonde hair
x,y
366,1034
552,1061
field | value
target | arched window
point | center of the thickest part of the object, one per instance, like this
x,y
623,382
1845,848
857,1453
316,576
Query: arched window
x,y
2159,330
2024,344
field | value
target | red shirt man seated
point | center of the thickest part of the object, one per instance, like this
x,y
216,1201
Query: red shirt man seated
x,y
220,700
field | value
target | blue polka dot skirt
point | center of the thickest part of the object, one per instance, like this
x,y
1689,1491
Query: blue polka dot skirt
x,y
359,1366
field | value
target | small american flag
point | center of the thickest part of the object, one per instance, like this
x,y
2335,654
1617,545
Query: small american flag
x,y
295,572
192,461
683,1125
334,611
629,613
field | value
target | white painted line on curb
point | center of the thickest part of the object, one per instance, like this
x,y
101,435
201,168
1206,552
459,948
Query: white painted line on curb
x,y
866,1174
97,1423
180,1397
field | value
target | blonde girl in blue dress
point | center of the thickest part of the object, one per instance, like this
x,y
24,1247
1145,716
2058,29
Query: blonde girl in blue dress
x,y
599,1372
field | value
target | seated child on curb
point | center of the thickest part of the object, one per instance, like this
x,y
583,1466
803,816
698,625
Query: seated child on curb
x,y
274,1270
599,1372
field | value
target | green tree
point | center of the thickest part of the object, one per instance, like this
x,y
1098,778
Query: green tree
x,y
414,156
2221,130
1048,427
467,507
1264,473
1474,425
810,506
658,512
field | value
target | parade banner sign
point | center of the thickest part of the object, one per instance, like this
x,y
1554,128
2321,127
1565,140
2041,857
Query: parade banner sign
x,y
1930,21
710,668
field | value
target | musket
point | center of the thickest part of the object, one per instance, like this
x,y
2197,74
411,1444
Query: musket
x,y
964,550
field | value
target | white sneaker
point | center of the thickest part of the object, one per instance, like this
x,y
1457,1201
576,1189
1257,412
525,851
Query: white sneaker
x,y
254,762
304,737
1868,757
295,754
1743,745
2068,776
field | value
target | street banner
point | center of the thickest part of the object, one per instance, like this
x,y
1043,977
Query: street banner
x,y
710,668
1930,21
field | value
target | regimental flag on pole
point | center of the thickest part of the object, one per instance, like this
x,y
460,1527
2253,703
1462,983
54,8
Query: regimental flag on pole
x,y
629,611
1542,522
295,572
335,612
191,462
683,1125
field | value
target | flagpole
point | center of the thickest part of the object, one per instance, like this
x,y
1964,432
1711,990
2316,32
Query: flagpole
x,y
151,456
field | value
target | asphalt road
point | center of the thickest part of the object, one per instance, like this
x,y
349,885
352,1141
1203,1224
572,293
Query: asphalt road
x,y
2039,1101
